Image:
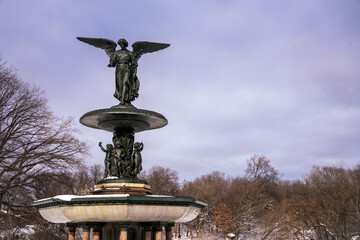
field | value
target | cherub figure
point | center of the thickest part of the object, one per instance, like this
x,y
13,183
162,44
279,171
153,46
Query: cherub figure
x,y
108,156
136,158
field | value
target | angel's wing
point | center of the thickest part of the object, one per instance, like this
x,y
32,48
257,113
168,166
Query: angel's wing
x,y
148,47
108,45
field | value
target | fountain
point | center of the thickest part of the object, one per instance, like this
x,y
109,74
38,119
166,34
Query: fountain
x,y
121,206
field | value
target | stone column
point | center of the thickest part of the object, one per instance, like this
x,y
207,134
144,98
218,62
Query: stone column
x,y
123,230
72,230
179,232
86,233
158,232
168,229
148,232
97,231
96,236
71,236
123,233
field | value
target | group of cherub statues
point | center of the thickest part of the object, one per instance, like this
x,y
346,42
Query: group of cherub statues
x,y
123,157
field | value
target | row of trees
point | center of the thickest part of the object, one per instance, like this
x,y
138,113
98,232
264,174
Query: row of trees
x,y
324,205
258,205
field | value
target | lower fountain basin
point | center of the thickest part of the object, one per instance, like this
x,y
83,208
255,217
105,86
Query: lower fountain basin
x,y
118,207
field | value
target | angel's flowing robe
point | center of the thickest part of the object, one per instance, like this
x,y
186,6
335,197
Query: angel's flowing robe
x,y
126,81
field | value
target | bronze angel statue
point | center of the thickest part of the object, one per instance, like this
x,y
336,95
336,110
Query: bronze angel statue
x,y
126,82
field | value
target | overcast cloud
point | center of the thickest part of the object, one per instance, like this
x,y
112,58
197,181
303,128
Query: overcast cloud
x,y
272,77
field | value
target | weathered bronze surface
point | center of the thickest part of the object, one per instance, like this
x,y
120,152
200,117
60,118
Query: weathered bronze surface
x,y
136,158
108,158
126,62
123,158
119,117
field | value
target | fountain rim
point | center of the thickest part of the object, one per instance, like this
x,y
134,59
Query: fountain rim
x,y
117,199
136,119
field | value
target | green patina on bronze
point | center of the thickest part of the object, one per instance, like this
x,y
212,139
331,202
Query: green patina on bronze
x,y
123,117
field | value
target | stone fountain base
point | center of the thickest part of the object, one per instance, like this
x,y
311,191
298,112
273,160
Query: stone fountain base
x,y
119,216
118,208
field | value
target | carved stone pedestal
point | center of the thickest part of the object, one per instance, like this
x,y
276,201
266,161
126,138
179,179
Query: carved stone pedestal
x,y
122,186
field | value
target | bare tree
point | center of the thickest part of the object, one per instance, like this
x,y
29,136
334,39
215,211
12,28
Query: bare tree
x,y
252,198
162,180
247,201
259,168
355,199
84,180
33,144
210,188
327,202
96,173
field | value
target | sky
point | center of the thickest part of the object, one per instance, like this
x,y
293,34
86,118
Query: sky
x,y
279,78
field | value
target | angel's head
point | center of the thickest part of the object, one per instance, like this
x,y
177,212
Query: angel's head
x,y
123,43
